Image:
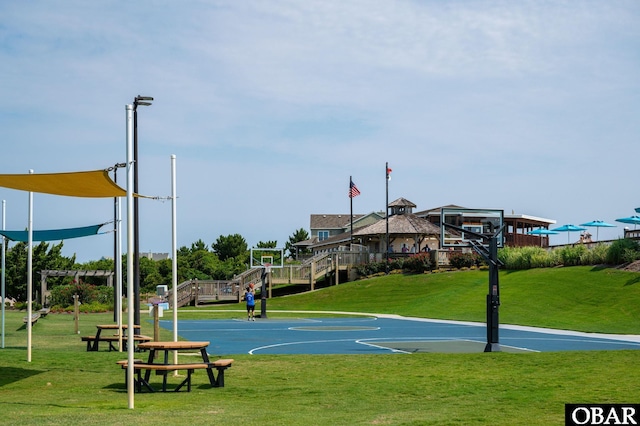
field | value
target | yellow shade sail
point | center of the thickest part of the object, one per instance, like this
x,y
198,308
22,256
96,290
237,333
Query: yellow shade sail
x,y
91,184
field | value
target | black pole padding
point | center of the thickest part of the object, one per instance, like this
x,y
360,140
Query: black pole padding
x,y
263,294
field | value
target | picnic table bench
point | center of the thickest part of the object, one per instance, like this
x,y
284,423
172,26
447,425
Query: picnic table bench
x,y
162,369
43,312
94,341
34,318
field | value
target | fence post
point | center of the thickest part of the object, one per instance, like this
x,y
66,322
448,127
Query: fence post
x,y
76,313
312,275
156,323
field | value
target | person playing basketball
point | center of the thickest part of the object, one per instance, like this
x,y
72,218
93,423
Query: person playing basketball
x,y
249,297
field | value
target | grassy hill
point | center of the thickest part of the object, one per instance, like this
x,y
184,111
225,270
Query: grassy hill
x,y
65,384
580,298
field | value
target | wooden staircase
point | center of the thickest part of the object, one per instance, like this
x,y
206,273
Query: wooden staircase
x,y
194,292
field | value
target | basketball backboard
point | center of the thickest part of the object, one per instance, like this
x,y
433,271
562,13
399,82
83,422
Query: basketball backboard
x,y
481,225
272,257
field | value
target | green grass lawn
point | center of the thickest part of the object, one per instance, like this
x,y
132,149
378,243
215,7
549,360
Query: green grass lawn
x,y
578,298
64,384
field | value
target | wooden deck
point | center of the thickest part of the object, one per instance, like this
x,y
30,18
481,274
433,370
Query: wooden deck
x,y
319,267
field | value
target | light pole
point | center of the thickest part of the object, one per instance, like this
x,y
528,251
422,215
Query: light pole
x,y
138,101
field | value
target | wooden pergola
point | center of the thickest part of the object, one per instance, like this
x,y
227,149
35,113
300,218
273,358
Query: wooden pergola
x,y
519,226
71,273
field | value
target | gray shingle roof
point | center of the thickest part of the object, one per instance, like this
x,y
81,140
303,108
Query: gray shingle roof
x,y
400,224
332,221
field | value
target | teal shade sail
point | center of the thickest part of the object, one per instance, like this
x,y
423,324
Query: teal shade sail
x,y
52,234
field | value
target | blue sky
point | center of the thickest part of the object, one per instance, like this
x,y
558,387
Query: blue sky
x,y
270,106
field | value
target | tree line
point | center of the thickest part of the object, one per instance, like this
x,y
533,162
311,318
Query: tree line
x,y
224,258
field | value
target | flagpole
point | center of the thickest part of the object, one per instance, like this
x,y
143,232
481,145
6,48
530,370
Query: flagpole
x,y
386,214
351,203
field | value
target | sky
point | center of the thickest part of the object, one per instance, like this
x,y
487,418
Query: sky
x,y
270,106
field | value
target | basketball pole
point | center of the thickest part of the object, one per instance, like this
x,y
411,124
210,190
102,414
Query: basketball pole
x,y
493,299
490,255
263,294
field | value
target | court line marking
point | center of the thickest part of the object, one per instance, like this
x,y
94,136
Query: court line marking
x,y
435,340
591,340
305,342
330,328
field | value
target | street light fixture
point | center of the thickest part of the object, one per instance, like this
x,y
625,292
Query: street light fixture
x,y
138,101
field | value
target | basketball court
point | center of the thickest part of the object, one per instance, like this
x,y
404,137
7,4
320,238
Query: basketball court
x,y
477,230
381,335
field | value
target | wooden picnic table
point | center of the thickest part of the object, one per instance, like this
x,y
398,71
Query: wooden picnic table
x,y
93,341
164,366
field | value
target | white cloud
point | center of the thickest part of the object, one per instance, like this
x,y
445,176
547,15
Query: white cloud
x,y
494,103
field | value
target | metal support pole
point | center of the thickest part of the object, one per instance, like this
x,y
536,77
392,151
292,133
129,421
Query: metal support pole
x,y
130,254
493,299
145,101
136,223
30,275
174,255
116,302
386,215
490,254
3,277
263,294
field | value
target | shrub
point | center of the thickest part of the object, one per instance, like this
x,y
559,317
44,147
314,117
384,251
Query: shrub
x,y
623,251
88,294
573,256
463,260
418,263
597,255
104,295
370,268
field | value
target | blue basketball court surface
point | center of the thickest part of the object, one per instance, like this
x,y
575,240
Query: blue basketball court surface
x,y
381,335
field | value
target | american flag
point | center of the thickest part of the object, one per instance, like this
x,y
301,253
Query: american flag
x,y
353,190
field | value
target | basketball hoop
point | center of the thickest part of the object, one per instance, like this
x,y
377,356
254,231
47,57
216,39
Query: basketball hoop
x,y
267,268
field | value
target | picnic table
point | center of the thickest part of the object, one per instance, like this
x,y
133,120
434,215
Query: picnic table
x,y
34,318
94,341
164,366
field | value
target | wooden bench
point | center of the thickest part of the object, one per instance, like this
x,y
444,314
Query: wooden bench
x,y
162,369
44,311
93,341
34,318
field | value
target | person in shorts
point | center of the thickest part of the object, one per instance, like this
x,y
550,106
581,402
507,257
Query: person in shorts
x,y
249,297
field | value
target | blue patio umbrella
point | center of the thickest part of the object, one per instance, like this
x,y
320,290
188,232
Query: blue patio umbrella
x,y
542,231
568,229
598,224
634,220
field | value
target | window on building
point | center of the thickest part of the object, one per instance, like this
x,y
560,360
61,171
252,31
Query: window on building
x,y
323,235
473,228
